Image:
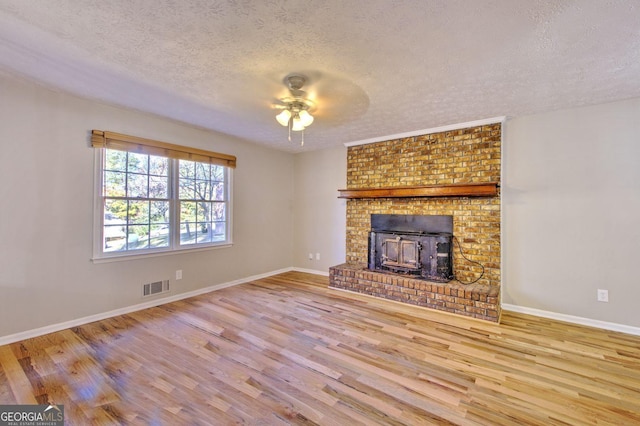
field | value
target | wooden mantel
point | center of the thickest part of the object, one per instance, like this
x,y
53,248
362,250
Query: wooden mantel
x,y
483,189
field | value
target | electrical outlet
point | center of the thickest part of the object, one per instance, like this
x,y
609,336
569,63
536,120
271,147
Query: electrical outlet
x,y
310,256
178,274
603,295
317,256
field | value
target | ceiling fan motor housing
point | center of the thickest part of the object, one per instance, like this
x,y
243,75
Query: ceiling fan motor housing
x,y
295,81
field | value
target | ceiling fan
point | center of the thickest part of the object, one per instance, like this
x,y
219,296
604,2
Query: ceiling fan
x,y
297,107
330,99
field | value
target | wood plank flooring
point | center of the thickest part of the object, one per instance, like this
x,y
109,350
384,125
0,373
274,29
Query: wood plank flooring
x,y
288,350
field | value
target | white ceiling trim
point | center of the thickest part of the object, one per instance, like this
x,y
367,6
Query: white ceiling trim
x,y
447,128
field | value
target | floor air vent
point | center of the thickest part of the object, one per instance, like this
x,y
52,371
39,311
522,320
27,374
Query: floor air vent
x,y
155,288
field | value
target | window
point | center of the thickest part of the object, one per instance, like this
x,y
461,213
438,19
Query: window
x,y
202,198
150,200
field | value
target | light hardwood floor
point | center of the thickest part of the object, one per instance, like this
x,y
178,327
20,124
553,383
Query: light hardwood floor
x,y
288,350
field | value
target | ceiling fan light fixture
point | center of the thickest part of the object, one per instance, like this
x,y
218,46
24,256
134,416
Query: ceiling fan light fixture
x,y
297,114
305,118
284,117
296,123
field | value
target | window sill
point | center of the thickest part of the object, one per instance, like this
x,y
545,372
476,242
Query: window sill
x,y
125,257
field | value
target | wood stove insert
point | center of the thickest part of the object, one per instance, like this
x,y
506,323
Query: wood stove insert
x,y
416,245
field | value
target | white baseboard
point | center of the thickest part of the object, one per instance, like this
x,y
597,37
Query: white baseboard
x,y
573,319
311,271
12,338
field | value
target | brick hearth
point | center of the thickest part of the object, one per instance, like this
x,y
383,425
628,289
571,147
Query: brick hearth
x,y
474,300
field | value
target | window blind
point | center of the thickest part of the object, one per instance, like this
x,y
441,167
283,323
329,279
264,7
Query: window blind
x,y
118,141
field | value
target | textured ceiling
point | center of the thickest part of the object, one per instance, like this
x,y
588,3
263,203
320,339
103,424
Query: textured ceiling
x,y
376,67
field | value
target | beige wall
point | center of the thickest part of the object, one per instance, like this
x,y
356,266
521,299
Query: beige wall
x,y
46,191
571,205
319,216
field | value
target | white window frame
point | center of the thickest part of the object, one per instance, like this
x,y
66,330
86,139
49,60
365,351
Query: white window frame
x,y
99,255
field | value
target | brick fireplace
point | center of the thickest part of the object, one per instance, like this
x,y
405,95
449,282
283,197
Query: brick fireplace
x,y
435,174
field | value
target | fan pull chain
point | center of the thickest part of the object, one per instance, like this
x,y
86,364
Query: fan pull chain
x,y
302,140
290,123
